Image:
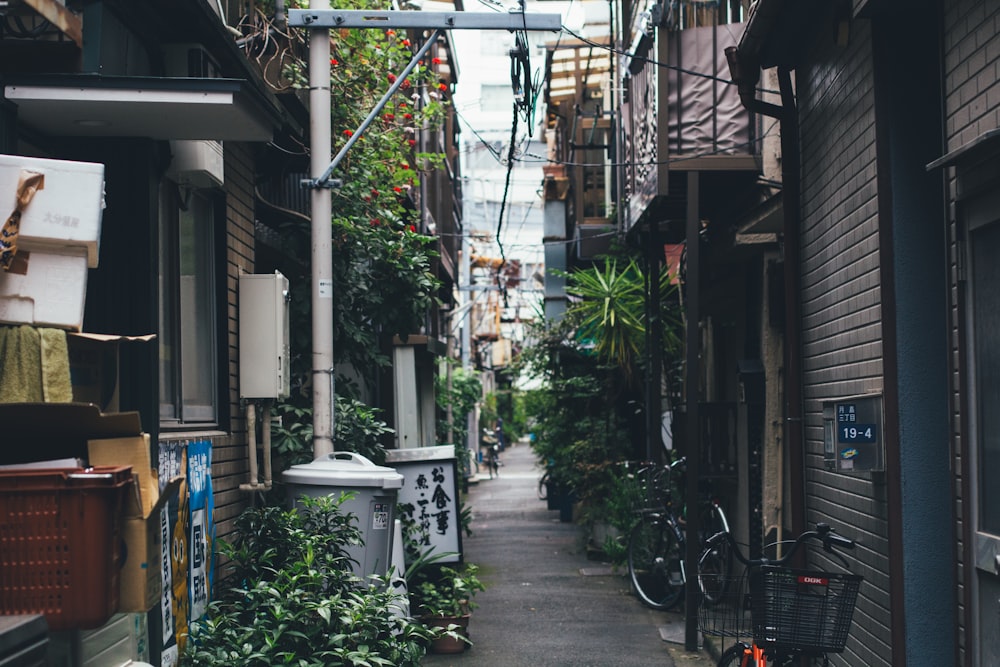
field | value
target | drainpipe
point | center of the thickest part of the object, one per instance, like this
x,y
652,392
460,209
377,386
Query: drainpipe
x,y
746,77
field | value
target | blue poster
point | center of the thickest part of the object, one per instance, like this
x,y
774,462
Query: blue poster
x,y
188,537
202,536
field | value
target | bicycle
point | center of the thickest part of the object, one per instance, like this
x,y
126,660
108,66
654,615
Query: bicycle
x,y
793,613
543,485
493,460
657,544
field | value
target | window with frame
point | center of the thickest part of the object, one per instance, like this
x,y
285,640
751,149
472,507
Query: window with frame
x,y
188,308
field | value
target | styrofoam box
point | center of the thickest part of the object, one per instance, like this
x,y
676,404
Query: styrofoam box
x,y
52,291
65,213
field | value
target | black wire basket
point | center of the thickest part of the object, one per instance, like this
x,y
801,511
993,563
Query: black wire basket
x,y
726,612
802,610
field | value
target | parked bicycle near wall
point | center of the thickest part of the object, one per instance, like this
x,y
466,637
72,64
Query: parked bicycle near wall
x,y
657,543
778,614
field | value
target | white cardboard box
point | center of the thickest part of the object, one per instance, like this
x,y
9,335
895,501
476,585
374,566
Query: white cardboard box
x,y
44,290
65,213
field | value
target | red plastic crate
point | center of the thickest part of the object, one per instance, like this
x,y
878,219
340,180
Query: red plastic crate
x,y
60,543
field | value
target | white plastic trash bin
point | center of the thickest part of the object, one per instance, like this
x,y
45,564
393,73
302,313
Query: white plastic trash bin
x,y
375,490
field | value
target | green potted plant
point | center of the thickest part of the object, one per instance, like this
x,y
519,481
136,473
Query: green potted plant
x,y
443,602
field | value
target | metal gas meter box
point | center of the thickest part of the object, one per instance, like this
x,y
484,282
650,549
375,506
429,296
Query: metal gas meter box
x,y
375,490
852,434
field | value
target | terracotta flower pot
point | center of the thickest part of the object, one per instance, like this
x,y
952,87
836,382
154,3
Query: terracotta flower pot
x,y
446,643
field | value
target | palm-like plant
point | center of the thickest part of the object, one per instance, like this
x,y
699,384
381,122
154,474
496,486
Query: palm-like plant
x,y
611,312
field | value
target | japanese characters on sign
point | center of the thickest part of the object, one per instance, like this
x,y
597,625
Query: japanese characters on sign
x,y
188,534
430,496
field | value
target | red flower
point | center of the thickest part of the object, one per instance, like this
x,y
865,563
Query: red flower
x,y
413,229
389,116
374,222
397,189
334,62
406,84
403,165
375,192
412,142
408,116
436,61
348,133
406,42
392,78
402,105
442,86
390,33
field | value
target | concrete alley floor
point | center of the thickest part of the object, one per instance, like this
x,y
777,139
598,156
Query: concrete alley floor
x,y
546,604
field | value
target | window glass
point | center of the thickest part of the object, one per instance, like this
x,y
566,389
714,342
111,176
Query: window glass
x,y
167,337
188,383
197,311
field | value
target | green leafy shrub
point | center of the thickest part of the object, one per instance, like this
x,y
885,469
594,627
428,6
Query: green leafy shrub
x,y
357,428
290,598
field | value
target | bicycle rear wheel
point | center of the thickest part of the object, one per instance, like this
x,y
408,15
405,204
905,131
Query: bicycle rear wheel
x,y
713,573
716,563
654,563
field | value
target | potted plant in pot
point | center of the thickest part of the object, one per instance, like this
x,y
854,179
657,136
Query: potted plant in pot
x,y
443,602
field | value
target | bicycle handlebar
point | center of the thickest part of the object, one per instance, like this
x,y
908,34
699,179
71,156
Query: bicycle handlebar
x,y
823,533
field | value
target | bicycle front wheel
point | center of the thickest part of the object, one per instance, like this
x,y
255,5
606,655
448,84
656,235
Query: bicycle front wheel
x,y
737,655
654,564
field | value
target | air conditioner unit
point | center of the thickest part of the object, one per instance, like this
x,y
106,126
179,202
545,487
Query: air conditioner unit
x,y
196,163
189,60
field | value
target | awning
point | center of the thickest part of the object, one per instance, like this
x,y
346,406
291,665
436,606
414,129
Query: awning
x,y
985,145
152,107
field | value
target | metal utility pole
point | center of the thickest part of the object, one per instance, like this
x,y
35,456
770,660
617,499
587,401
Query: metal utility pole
x,y
319,19
322,244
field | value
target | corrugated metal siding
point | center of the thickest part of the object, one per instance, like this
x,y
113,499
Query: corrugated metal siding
x,y
842,333
972,106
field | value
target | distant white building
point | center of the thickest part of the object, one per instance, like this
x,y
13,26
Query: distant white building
x,y
484,100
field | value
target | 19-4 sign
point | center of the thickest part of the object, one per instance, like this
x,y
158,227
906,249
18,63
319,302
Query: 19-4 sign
x,y
857,433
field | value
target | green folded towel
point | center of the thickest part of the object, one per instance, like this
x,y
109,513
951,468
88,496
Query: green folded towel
x,y
34,365
56,386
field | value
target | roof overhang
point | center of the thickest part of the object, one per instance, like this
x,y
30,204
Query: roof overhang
x,y
151,107
778,31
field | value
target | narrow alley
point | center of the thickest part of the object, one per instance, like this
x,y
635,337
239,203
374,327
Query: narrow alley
x,y
546,604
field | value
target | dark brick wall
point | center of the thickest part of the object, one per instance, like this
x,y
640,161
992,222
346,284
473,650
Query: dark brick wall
x,y
229,465
841,308
971,58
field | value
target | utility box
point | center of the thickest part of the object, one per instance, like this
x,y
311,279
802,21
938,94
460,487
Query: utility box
x,y
852,435
264,333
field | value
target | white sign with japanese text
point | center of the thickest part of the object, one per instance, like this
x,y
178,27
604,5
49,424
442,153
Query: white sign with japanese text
x,y
430,492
